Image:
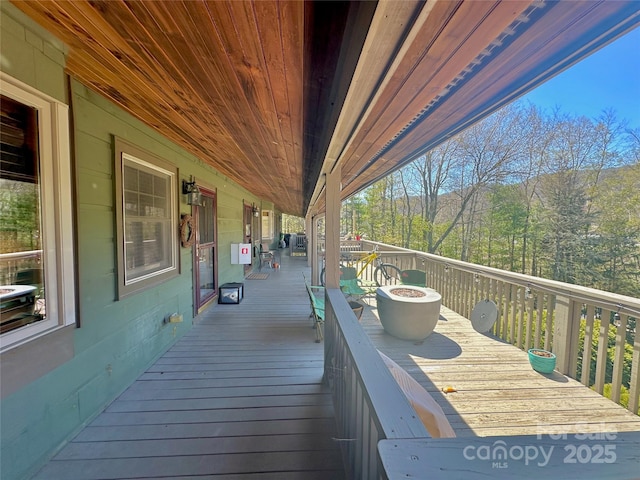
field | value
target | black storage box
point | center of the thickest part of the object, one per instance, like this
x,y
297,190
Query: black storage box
x,y
231,293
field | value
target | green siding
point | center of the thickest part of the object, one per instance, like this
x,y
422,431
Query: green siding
x,y
30,54
117,339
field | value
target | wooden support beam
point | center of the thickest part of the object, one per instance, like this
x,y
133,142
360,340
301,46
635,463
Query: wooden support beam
x,y
332,229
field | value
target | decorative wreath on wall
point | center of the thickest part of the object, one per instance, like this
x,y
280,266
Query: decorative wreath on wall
x,y
187,233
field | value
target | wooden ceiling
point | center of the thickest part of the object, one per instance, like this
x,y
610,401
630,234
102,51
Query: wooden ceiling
x,y
273,94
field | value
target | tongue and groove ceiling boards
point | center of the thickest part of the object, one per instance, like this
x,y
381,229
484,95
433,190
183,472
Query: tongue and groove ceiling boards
x,y
275,94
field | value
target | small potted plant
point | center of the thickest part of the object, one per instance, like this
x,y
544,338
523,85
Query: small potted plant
x,y
541,360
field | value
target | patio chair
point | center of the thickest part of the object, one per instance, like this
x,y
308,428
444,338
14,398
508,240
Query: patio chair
x,y
266,256
417,278
316,300
350,284
299,245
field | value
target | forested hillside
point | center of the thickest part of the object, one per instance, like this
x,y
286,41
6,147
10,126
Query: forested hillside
x,y
536,192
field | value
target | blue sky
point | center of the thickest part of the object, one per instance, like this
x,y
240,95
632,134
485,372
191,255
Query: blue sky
x,y
608,78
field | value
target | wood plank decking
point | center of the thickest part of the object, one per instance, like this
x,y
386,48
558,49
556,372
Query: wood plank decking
x,y
498,393
239,397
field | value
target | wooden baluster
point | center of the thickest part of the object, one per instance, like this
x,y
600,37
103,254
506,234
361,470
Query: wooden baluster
x,y
459,291
618,359
603,346
469,294
477,292
493,294
588,346
505,310
513,318
521,309
548,331
541,299
448,272
634,382
504,302
463,292
486,289
530,310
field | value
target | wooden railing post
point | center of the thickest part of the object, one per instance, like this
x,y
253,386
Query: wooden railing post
x,y
618,362
565,335
634,382
332,229
313,249
603,351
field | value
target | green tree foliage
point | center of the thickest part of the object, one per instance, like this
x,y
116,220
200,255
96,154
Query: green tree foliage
x,y
352,216
617,259
624,395
19,210
508,217
567,228
546,194
292,224
551,195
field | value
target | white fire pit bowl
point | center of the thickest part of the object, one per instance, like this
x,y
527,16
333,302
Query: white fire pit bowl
x,y
408,312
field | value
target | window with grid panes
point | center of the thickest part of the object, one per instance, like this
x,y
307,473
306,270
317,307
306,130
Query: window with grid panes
x,y
148,244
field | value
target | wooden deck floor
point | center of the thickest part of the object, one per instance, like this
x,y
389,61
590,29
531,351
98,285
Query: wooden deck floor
x,y
498,393
238,397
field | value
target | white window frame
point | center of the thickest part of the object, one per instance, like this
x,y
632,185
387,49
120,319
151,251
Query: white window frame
x,y
56,207
128,153
268,235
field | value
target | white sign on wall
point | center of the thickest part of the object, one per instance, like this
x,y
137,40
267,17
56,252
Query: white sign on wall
x,y
241,253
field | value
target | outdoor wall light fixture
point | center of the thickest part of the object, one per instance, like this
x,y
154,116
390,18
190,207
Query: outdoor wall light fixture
x,y
254,210
191,190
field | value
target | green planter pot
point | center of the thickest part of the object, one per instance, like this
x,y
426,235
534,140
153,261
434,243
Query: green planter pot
x,y
543,362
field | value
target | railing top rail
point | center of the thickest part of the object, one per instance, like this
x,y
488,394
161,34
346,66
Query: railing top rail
x,y
379,252
621,303
364,253
25,254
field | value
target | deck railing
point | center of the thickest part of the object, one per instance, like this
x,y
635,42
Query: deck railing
x,y
368,403
590,331
12,263
370,408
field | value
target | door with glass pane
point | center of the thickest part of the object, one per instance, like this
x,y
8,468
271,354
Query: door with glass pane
x,y
205,262
248,231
